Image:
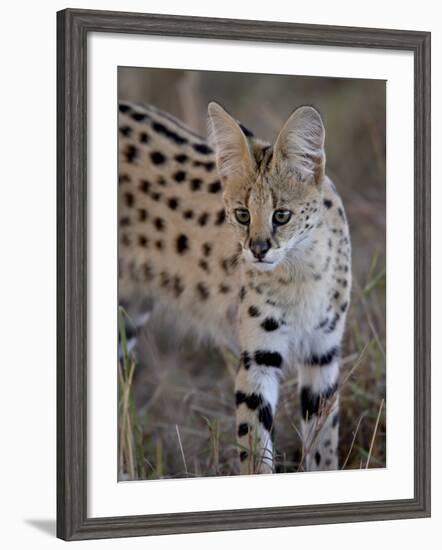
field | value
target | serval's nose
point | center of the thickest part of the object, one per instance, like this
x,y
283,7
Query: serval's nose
x,y
259,248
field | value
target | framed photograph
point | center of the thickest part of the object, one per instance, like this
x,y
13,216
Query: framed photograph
x,y
243,274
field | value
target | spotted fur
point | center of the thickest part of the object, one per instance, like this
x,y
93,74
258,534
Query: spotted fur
x,y
277,294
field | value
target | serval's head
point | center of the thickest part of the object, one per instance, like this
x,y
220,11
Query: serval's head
x,y
272,194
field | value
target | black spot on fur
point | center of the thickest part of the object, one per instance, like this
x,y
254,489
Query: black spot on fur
x,y
195,184
188,214
327,443
161,181
143,241
335,419
159,224
123,178
129,199
268,358
159,244
323,323
240,397
224,289
144,138
139,117
254,311
243,455
125,131
265,417
323,359
230,264
173,203
181,158
253,400
311,402
202,148
317,458
131,153
207,249
145,186
156,196
203,219
214,187
170,134
157,157
269,324
178,286
220,217
328,462
179,176
182,244
245,360
124,221
165,279
328,203
344,307
242,293
243,429
332,325
123,108
203,291
204,266
125,240
142,214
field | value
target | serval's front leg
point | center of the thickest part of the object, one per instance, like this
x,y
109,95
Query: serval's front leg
x,y
264,346
318,378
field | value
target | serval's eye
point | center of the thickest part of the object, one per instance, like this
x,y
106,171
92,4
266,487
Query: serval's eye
x,y
242,215
280,217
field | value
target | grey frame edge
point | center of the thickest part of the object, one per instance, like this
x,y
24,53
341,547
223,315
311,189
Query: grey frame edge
x,y
72,28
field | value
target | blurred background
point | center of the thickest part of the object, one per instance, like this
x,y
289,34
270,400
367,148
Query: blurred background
x,y
181,419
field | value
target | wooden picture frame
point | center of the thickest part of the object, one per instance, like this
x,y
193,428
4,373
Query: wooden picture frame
x,y
73,27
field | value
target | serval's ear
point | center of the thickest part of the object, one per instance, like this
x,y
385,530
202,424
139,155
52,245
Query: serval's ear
x,y
232,152
300,145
